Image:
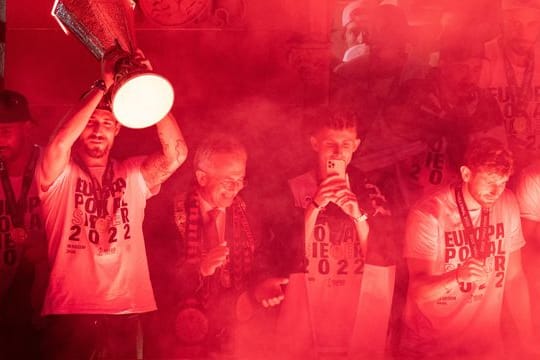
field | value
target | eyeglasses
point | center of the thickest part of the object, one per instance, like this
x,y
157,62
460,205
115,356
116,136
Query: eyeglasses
x,y
229,184
232,185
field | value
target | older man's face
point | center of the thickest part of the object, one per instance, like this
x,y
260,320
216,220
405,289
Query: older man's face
x,y
222,179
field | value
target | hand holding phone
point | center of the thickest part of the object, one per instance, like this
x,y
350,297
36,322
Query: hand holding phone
x,y
335,167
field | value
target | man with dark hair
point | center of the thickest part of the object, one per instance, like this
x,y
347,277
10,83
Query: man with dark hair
x,y
23,249
93,213
463,251
440,115
223,272
355,20
514,76
376,37
335,223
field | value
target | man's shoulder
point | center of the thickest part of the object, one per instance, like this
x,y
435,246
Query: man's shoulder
x,y
434,202
306,177
303,187
531,171
361,181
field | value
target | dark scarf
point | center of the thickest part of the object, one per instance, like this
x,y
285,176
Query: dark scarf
x,y
238,234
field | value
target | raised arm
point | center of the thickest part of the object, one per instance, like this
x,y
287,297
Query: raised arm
x,y
58,151
159,166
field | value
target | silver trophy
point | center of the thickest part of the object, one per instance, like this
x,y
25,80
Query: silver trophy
x,y
139,97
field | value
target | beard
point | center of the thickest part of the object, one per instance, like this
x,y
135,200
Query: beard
x,y
96,151
485,200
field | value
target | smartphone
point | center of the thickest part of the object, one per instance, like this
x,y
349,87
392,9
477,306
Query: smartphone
x,y
336,167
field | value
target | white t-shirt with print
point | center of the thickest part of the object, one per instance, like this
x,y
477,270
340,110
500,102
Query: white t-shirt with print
x,y
335,265
523,132
96,269
467,316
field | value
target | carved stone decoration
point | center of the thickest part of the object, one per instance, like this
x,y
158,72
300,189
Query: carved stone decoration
x,y
311,61
228,12
194,13
175,12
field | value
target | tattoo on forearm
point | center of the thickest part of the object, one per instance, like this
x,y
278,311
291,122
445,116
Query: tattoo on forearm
x,y
160,166
159,169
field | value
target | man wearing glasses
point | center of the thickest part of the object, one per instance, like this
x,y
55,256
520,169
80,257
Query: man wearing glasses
x,y
220,264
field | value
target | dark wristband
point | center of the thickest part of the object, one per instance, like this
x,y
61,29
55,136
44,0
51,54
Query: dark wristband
x,y
99,84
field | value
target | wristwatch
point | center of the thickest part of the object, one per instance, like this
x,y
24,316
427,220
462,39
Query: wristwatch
x,y
360,218
99,84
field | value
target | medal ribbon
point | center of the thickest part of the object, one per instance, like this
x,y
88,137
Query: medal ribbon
x,y
16,209
519,93
479,245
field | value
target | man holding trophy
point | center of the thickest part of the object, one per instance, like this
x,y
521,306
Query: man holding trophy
x,y
93,213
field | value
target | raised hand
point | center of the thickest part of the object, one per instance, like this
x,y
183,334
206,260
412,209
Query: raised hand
x,y
215,257
328,189
348,202
472,270
269,292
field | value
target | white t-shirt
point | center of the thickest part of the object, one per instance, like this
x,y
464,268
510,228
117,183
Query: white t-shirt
x,y
334,271
96,269
466,318
528,192
523,132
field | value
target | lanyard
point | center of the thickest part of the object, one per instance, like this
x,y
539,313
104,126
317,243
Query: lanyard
x,y
16,208
102,191
519,93
478,244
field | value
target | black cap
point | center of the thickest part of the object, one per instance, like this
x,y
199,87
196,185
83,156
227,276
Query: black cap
x,y
13,107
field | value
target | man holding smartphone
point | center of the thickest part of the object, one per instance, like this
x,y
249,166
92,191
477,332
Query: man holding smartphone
x,y
342,215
